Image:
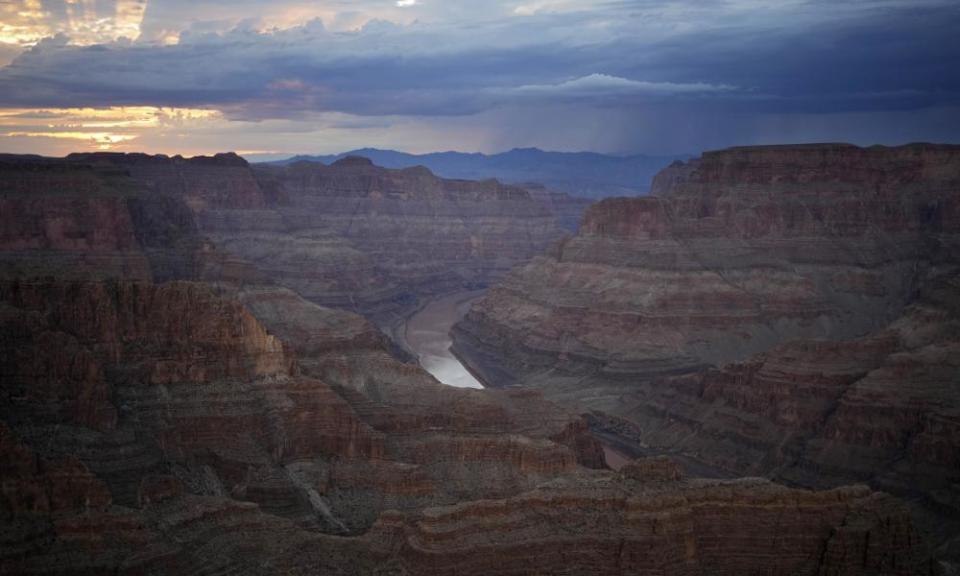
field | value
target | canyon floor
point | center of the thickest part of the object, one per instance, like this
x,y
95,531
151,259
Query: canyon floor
x,y
426,335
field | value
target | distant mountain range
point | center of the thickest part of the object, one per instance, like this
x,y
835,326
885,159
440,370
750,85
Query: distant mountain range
x,y
585,174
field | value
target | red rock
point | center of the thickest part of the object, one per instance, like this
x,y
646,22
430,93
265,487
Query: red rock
x,y
187,428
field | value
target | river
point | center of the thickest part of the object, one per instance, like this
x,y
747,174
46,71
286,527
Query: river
x,y
427,335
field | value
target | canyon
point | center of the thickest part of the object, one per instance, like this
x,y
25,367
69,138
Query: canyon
x,y
581,174
783,311
166,429
200,373
353,235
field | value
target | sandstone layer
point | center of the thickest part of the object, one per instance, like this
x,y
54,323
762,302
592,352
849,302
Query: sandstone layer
x,y
166,429
350,235
78,220
221,424
174,434
353,235
786,311
356,236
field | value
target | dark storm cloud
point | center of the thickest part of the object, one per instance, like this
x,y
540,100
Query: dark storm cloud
x,y
641,75
901,57
852,56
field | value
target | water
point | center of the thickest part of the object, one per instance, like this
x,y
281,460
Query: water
x,y
427,334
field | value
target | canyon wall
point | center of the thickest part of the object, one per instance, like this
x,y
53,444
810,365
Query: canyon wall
x,y
78,220
169,407
172,429
351,235
360,237
787,311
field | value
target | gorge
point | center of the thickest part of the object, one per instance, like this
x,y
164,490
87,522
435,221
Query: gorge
x,y
215,367
784,311
495,288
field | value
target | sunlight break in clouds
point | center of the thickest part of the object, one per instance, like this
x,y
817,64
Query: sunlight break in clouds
x,y
23,23
99,140
98,128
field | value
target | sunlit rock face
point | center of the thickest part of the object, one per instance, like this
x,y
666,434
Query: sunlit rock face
x,y
786,311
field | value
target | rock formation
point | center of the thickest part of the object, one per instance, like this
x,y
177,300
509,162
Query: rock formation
x,y
184,415
78,220
356,236
350,235
165,429
786,311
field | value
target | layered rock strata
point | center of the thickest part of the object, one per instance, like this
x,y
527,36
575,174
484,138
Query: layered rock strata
x,y
640,523
356,236
785,311
229,427
77,220
165,429
748,249
138,380
350,235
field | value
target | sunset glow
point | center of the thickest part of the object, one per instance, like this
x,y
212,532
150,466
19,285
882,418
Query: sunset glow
x,y
25,22
97,128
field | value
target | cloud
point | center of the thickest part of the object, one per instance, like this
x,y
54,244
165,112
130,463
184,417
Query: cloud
x,y
599,85
25,22
103,129
380,64
449,69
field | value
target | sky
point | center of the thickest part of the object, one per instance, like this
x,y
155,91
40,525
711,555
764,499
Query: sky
x,y
615,76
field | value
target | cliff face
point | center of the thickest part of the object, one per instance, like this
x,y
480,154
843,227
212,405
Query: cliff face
x,y
350,235
179,435
785,311
126,398
357,236
91,221
203,182
637,523
750,248
236,427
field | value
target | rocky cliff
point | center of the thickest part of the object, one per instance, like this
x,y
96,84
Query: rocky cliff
x,y
360,237
751,248
166,429
638,522
350,235
786,311
80,220
221,424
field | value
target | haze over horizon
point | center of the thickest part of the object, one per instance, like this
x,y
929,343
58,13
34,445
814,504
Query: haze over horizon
x,y
653,77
